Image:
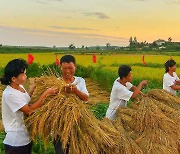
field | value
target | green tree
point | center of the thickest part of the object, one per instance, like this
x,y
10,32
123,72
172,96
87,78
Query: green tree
x,y
130,41
135,40
169,39
72,46
108,45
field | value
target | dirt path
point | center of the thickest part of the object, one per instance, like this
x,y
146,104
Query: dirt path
x,y
96,93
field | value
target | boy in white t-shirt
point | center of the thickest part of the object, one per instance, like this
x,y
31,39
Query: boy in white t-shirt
x,y
170,80
75,84
15,101
121,94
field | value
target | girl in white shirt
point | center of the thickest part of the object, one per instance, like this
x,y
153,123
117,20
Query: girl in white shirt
x,y
170,80
15,101
121,94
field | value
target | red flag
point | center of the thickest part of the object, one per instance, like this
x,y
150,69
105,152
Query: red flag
x,y
94,59
57,61
30,58
143,61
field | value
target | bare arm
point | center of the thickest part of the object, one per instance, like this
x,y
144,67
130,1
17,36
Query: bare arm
x,y
175,87
73,89
178,81
81,95
137,90
134,88
29,109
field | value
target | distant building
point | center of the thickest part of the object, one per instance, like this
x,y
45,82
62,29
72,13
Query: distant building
x,y
162,47
159,42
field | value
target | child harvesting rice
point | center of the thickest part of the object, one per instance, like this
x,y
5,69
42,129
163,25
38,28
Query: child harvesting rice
x,y
170,80
121,93
74,85
15,101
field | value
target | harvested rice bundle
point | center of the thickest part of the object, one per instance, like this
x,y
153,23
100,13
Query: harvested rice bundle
x,y
128,111
148,115
65,117
126,144
134,105
162,95
125,116
156,128
155,141
169,111
127,122
1,126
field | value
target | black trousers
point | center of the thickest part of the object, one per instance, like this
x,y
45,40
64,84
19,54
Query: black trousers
x,y
26,149
58,147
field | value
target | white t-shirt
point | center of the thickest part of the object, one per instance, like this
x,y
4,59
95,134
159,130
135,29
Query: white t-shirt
x,y
13,119
80,84
120,96
168,81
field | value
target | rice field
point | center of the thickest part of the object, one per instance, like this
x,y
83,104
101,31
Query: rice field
x,y
153,71
86,60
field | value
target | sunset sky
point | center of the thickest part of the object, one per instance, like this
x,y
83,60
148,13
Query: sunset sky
x,y
87,22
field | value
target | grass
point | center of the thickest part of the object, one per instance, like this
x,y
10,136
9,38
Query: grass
x,y
99,110
37,148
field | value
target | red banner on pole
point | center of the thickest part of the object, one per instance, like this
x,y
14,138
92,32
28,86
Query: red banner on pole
x,y
30,58
94,59
143,60
57,61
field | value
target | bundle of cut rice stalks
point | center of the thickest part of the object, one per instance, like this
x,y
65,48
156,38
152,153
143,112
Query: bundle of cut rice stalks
x,y
64,117
153,124
165,97
126,143
1,126
160,134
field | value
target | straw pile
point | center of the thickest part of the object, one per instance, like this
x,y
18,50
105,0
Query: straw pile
x,y
65,117
153,122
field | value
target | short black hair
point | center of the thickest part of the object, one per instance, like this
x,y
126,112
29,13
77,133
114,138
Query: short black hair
x,y
169,63
13,69
124,70
67,59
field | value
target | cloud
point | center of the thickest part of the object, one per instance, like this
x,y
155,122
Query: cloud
x,y
72,28
99,15
55,0
176,2
138,0
58,33
46,1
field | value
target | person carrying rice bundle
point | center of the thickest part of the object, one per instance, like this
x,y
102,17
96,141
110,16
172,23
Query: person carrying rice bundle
x,y
171,81
74,85
121,91
15,101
